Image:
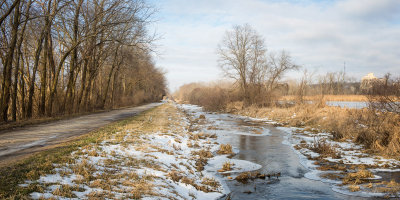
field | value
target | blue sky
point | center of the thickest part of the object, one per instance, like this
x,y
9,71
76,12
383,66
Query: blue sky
x,y
319,34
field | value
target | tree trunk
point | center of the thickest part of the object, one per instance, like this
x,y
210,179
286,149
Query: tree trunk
x,y
109,78
83,84
8,65
69,100
52,75
34,70
17,70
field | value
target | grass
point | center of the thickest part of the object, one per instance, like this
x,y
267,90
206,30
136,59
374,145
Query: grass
x,y
355,178
392,188
102,160
225,149
324,148
41,163
379,132
328,98
245,176
203,153
175,175
227,166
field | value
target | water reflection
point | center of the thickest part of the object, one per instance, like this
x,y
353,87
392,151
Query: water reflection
x,y
269,152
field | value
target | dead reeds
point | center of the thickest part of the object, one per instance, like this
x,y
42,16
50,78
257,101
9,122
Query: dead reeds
x,y
225,149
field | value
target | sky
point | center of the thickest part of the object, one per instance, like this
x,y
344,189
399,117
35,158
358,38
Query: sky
x,y
321,35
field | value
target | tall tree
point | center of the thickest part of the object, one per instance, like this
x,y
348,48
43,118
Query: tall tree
x,y
7,73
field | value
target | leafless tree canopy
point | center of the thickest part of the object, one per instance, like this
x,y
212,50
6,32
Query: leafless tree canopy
x,y
384,95
62,57
243,57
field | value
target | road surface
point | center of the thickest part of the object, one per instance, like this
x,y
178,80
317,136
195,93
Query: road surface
x,y
22,142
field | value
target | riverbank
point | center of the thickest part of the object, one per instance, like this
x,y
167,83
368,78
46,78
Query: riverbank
x,y
163,153
349,98
345,147
378,132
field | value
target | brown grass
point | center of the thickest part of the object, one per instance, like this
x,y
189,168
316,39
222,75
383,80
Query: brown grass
x,y
43,163
354,188
391,187
379,132
203,153
324,148
227,166
210,182
225,149
358,177
200,163
64,191
243,177
328,98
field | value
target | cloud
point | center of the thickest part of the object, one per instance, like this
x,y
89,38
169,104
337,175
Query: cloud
x,y
376,10
319,34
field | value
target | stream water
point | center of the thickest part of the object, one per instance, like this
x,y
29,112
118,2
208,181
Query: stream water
x,y
266,148
274,157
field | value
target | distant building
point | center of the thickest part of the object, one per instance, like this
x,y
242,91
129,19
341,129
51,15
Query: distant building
x,y
369,76
368,81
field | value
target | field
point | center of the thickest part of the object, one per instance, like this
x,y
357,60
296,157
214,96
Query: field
x,y
360,98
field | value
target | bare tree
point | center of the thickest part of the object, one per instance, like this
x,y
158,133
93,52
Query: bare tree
x,y
385,95
242,57
278,65
60,56
8,64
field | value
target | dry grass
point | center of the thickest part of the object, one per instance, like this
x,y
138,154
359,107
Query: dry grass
x,y
324,148
391,187
377,131
227,166
44,162
328,98
85,169
243,177
354,188
203,153
210,182
200,163
361,176
331,167
64,191
225,149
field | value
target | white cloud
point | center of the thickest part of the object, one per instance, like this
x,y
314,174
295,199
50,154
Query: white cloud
x,y
318,34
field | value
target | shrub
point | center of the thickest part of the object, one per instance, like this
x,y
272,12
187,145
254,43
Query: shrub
x,y
324,148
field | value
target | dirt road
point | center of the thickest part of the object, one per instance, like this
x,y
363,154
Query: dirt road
x,y
19,143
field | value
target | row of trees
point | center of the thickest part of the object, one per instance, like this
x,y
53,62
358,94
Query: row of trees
x,y
68,56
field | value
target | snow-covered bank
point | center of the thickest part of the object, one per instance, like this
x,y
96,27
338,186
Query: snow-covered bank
x,y
177,159
351,157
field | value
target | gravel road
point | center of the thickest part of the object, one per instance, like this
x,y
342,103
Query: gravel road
x,y
21,142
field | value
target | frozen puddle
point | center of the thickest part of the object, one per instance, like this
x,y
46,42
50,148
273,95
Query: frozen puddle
x,y
227,124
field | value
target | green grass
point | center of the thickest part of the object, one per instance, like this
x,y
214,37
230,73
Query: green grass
x,y
41,163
